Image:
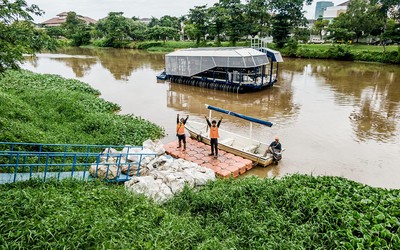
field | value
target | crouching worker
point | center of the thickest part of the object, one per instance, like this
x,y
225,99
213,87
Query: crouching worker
x,y
214,136
180,131
275,149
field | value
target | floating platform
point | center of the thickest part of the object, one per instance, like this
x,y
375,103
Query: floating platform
x,y
232,69
225,166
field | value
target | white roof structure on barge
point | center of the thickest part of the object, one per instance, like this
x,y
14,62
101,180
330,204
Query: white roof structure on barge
x,y
189,62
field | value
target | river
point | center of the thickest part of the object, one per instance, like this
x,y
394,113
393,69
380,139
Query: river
x,y
334,118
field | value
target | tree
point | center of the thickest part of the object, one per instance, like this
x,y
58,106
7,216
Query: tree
x,y
361,18
153,22
217,21
338,30
387,8
301,34
161,33
320,25
190,31
236,24
288,14
198,17
76,29
116,29
139,31
392,31
173,23
257,17
18,35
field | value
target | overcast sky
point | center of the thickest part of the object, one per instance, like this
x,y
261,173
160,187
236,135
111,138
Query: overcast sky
x,y
140,8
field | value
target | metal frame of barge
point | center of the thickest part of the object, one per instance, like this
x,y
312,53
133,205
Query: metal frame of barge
x,y
233,69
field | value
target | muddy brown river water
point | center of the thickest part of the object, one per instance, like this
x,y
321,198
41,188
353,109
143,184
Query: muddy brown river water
x,y
334,118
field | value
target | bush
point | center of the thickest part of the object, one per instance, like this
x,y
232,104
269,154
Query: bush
x,y
341,52
290,48
99,42
160,49
146,45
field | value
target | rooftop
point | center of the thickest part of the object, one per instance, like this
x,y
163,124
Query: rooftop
x,y
62,17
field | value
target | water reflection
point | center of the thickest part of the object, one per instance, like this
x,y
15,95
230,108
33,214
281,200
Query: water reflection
x,y
120,63
372,89
275,105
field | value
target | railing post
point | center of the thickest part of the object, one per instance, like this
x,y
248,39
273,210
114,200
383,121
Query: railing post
x,y
16,168
45,167
139,163
73,165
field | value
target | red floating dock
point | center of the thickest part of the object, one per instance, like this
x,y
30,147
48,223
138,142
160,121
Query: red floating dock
x,y
225,166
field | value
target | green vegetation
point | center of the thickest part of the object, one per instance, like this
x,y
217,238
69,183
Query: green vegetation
x,y
390,54
296,212
51,109
18,35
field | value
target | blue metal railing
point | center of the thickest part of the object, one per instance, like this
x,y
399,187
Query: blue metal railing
x,y
22,161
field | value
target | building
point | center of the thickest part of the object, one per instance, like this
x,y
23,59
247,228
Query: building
x,y
332,12
62,18
145,20
321,7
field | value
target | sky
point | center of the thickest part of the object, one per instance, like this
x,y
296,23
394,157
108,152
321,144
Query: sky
x,y
98,9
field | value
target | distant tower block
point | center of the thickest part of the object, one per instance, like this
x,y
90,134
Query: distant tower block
x,y
321,7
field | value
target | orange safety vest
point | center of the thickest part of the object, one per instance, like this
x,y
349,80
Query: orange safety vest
x,y
214,132
180,128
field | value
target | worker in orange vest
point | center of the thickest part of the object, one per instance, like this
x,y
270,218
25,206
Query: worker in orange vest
x,y
180,131
214,135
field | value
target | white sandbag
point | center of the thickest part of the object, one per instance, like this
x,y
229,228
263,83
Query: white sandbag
x,y
189,180
129,168
155,146
174,182
150,187
133,154
127,149
110,151
159,162
200,179
159,148
102,171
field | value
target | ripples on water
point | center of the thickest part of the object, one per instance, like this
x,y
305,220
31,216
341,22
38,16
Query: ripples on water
x,y
334,118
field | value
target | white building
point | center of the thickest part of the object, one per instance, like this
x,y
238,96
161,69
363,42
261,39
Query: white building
x,y
332,12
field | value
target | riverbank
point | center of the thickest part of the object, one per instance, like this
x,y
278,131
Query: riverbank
x,y
346,52
47,108
250,213
366,53
296,212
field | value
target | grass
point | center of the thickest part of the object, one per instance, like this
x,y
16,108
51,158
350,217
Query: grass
x,y
296,212
51,109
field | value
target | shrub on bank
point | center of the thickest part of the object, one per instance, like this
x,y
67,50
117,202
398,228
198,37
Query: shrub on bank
x,y
341,52
344,52
160,49
146,45
296,212
52,109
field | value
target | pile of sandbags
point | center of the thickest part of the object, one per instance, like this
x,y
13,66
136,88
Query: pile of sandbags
x,y
160,176
167,177
113,162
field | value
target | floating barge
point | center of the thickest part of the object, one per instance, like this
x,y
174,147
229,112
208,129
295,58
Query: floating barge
x,y
233,69
227,165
